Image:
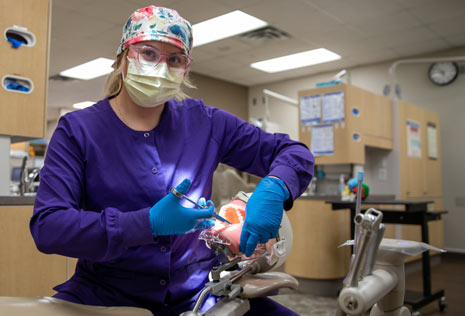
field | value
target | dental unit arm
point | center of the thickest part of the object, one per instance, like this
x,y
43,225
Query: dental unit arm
x,y
239,278
376,278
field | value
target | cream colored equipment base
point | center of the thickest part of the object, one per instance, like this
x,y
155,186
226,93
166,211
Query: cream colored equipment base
x,y
50,306
266,284
237,292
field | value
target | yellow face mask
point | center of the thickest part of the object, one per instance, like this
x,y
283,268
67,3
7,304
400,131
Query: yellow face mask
x,y
149,85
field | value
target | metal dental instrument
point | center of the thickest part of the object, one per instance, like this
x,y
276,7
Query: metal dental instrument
x,y
358,206
182,196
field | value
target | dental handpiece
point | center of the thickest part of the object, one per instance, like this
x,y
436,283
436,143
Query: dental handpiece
x,y
182,196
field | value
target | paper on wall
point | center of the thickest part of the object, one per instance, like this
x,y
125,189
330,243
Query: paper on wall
x,y
310,109
431,134
333,106
413,139
322,140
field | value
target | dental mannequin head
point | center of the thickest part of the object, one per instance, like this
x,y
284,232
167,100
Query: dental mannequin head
x,y
275,251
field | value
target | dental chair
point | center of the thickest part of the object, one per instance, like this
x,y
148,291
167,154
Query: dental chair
x,y
50,306
236,280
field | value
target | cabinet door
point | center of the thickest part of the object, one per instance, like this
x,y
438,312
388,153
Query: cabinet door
x,y
318,231
433,172
372,116
386,118
23,114
412,150
24,271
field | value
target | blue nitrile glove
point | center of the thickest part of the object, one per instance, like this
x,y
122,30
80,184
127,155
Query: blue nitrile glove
x,y
263,213
169,217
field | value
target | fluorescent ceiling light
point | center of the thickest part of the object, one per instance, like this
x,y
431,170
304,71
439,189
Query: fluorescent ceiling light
x,y
82,105
223,26
90,70
308,58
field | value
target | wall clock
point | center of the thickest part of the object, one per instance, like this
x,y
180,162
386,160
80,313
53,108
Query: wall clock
x,y
443,73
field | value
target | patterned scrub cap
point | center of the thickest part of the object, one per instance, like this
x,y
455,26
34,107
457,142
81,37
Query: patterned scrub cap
x,y
157,24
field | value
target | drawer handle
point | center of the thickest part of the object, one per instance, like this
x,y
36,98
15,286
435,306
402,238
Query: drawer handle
x,y
19,35
17,84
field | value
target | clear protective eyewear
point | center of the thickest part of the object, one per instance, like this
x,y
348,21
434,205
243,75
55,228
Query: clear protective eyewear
x,y
149,54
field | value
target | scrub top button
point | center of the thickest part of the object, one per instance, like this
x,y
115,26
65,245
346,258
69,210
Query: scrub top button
x,y
162,282
146,135
154,170
163,249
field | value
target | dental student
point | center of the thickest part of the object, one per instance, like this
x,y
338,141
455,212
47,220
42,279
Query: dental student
x,y
104,194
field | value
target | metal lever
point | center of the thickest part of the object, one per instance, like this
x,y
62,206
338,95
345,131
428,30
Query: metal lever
x,y
369,224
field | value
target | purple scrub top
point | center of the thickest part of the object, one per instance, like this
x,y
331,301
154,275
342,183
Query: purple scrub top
x,y
100,178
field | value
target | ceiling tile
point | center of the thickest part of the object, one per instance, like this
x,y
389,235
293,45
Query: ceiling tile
x,y
366,55
200,10
439,10
103,10
457,40
241,4
200,54
421,47
216,65
226,47
449,26
405,37
71,23
145,3
348,11
396,21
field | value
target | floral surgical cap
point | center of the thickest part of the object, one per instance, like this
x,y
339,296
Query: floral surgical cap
x,y
157,24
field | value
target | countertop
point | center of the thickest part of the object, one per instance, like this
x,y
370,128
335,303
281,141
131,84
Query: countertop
x,y
17,200
329,197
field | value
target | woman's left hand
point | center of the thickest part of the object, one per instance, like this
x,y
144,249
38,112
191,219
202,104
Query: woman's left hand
x,y
263,215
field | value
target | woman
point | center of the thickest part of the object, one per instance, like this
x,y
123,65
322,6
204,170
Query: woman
x,y
105,187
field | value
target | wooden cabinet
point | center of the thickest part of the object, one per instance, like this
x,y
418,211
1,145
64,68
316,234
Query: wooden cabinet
x,y
24,271
367,122
318,231
433,173
420,173
377,121
23,115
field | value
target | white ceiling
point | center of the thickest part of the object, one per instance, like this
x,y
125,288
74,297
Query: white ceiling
x,y
361,31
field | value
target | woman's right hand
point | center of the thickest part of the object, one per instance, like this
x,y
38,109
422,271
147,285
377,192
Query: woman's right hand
x,y
169,217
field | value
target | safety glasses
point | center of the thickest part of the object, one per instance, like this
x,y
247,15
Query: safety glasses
x,y
149,54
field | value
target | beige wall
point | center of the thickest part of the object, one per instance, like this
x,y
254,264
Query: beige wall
x,y
447,101
221,94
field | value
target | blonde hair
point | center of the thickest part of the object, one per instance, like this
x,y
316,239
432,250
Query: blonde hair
x,y
114,82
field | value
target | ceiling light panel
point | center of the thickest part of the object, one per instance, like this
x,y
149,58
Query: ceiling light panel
x,y
83,105
299,60
223,26
90,70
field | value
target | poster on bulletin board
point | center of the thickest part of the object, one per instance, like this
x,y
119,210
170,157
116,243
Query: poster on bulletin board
x,y
322,140
413,139
310,110
333,107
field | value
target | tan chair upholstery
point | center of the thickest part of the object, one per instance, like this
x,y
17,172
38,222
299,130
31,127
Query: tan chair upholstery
x,y
50,306
266,284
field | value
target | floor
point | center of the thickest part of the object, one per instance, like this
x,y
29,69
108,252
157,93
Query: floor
x,y
448,273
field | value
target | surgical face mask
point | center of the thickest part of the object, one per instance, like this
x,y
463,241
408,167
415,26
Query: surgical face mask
x,y
149,85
